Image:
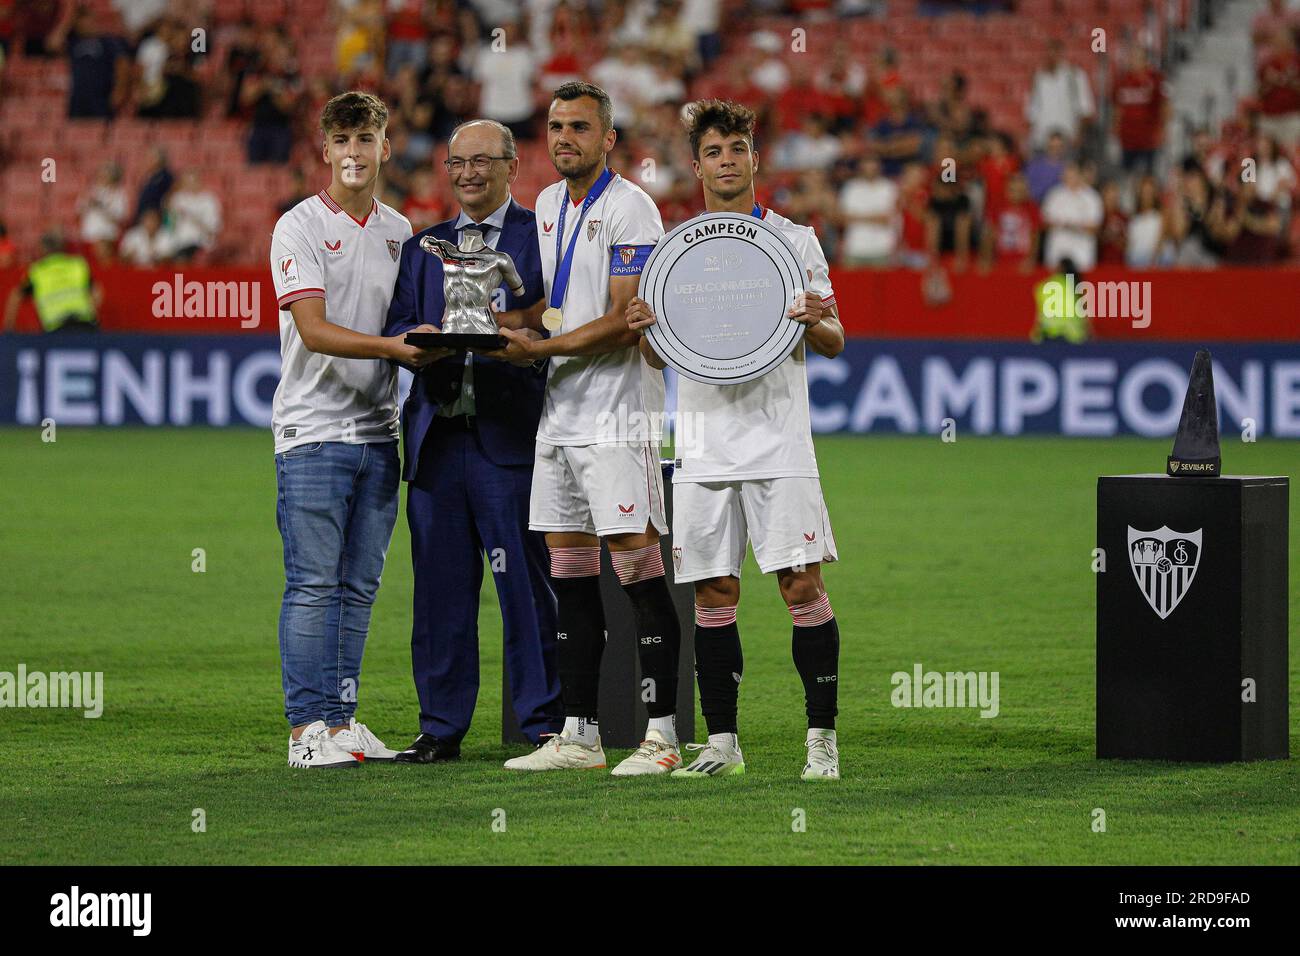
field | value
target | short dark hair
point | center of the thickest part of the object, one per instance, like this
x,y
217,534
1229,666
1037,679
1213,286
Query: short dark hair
x,y
353,110
576,89
722,115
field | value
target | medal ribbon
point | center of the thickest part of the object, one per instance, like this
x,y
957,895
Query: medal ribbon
x,y
565,265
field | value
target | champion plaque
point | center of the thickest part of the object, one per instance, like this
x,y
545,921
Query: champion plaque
x,y
720,286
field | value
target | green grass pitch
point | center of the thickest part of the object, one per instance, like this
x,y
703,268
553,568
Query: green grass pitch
x,y
973,555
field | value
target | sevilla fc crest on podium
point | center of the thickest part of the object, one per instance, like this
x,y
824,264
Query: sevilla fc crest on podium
x,y
1164,564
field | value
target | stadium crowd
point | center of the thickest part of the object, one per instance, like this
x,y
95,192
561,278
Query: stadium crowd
x,y
887,176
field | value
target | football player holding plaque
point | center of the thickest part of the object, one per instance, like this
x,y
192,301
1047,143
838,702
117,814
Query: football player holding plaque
x,y
721,285
745,472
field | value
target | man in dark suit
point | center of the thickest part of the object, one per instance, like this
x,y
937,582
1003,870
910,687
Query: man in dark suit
x,y
469,426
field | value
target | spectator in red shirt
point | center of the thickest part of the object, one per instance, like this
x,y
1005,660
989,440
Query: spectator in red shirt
x,y
996,165
1268,22
887,74
7,28
1112,238
1011,229
8,251
36,20
424,207
1279,90
408,36
1141,111
833,97
913,204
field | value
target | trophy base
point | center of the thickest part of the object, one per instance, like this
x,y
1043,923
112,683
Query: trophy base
x,y
459,341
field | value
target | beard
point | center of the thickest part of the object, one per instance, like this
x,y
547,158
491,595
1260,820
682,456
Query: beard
x,y
579,167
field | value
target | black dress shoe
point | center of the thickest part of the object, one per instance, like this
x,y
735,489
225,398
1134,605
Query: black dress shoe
x,y
429,749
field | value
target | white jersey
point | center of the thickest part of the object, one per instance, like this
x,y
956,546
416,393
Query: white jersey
x,y
320,251
615,397
758,429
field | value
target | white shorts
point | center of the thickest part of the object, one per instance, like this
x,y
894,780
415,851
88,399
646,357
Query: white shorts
x,y
713,521
597,489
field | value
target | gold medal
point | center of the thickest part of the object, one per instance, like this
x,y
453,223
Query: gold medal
x,y
552,319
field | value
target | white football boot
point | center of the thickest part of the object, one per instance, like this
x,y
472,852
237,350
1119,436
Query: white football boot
x,y
655,755
560,753
720,757
823,756
357,740
314,749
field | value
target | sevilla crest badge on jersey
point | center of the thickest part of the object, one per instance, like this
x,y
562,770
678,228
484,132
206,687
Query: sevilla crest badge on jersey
x,y
394,247
591,228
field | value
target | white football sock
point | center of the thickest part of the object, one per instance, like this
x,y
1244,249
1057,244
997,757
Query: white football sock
x,y
582,729
815,732
666,726
725,741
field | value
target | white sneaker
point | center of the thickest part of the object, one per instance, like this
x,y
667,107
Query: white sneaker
x,y
314,749
655,755
718,758
823,756
560,753
357,740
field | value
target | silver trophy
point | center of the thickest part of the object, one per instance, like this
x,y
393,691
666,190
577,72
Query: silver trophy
x,y
471,273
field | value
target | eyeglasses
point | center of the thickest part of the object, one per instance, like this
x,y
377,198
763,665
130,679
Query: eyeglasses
x,y
479,163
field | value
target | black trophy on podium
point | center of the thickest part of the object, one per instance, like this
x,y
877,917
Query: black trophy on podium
x,y
1196,446
1192,603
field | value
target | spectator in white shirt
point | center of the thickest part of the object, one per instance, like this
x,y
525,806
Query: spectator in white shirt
x,y
666,87
103,211
1060,99
627,78
1275,178
137,15
869,212
769,74
1072,214
812,146
1146,227
147,243
151,58
504,70
703,17
195,216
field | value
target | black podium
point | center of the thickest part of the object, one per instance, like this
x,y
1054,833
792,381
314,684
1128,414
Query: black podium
x,y
622,712
1192,618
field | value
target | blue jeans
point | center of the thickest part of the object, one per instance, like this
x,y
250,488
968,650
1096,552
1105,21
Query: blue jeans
x,y
336,508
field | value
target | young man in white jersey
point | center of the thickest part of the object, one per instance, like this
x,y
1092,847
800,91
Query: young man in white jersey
x,y
749,475
596,473
334,261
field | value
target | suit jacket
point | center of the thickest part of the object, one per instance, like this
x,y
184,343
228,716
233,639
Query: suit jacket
x,y
507,398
